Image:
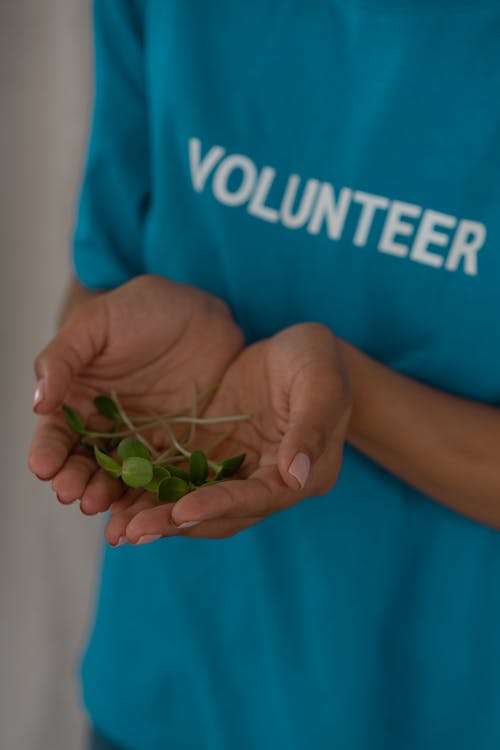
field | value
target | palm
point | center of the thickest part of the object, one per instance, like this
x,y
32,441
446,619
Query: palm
x,y
159,337
155,340
248,389
263,381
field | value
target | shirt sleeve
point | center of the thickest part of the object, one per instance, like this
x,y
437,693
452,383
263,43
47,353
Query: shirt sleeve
x,y
115,193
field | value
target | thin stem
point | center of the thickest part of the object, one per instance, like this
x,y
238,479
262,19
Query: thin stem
x,y
146,425
207,391
163,456
125,418
192,431
179,412
208,420
171,460
174,420
123,433
175,442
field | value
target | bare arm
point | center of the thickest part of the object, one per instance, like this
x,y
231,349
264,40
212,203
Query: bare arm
x,y
446,447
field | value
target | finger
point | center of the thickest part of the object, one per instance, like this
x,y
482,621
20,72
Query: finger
x,y
99,494
154,523
261,494
318,408
74,347
220,529
125,501
52,442
123,511
70,482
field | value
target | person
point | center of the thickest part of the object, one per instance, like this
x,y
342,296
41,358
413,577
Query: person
x,y
299,202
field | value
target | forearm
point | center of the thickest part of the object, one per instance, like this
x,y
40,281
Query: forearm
x,y
446,447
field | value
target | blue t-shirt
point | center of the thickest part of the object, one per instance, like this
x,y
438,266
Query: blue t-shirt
x,y
328,160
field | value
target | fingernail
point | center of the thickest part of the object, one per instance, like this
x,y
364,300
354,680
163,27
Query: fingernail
x,y
39,393
300,468
187,524
122,540
65,502
148,538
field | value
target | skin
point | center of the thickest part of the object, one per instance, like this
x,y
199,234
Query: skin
x,y
297,407
446,447
308,392
147,340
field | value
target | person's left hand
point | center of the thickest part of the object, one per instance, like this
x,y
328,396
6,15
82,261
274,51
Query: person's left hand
x,y
296,391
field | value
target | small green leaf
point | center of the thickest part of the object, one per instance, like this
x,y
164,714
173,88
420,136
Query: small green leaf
x,y
107,407
230,466
137,472
198,467
171,490
132,448
177,472
110,466
159,474
74,419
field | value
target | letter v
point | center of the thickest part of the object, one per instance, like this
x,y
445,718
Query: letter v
x,y
201,168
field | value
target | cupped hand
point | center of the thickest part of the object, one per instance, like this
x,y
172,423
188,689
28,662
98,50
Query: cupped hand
x,y
294,387
148,340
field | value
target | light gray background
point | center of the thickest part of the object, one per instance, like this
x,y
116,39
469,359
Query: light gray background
x,y
48,554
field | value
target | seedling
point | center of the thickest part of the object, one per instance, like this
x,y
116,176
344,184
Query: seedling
x,y
138,464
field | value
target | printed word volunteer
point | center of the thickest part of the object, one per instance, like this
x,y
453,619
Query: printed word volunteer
x,y
425,236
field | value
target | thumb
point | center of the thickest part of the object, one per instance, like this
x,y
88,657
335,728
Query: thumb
x,y
78,342
317,408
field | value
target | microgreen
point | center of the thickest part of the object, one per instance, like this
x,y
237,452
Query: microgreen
x,y
176,471
136,472
198,467
159,474
132,448
110,466
107,407
171,490
130,457
74,420
229,467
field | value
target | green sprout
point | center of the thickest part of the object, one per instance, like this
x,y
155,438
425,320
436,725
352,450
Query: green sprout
x,y
132,459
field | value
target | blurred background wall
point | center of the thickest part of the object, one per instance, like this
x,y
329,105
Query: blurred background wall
x,y
48,553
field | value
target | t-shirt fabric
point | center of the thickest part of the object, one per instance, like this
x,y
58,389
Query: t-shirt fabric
x,y
335,161
96,741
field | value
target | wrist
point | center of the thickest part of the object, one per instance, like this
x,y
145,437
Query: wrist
x,y
358,370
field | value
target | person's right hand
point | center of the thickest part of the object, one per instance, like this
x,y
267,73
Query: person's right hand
x,y
148,340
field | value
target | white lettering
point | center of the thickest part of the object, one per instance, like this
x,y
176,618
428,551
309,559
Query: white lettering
x,y
236,181
201,169
427,235
469,239
370,204
297,220
224,171
257,206
394,226
334,212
